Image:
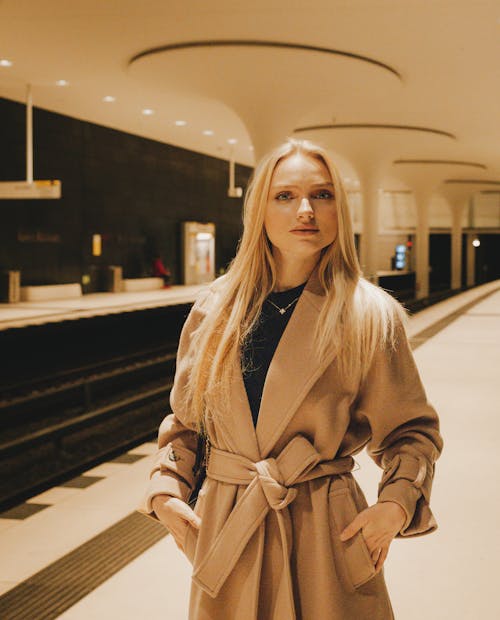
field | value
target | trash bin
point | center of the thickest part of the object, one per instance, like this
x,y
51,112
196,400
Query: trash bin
x,y
114,279
10,287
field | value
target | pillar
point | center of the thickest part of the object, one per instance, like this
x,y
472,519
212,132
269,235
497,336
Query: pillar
x,y
456,245
370,181
422,199
471,259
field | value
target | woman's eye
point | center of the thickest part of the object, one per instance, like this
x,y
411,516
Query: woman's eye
x,y
325,193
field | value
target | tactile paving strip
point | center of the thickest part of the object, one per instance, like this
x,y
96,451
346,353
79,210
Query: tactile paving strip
x,y
56,588
436,327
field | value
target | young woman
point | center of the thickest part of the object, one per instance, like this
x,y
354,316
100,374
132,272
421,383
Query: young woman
x,y
293,363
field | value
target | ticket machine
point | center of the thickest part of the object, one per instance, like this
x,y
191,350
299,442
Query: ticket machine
x,y
198,252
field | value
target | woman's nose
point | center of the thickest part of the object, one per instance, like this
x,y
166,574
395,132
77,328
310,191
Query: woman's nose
x,y
305,207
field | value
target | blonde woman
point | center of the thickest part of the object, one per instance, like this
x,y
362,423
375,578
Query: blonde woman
x,y
293,362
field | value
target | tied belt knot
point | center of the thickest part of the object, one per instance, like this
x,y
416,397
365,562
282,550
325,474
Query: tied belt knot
x,y
269,486
271,479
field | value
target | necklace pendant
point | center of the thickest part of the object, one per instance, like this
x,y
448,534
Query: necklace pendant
x,y
282,310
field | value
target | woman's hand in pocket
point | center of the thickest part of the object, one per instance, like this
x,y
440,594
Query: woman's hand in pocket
x,y
176,516
379,524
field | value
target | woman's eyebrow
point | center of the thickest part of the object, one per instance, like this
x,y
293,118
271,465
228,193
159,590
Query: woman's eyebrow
x,y
313,185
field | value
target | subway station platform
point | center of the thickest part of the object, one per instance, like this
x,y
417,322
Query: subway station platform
x,y
79,551
27,313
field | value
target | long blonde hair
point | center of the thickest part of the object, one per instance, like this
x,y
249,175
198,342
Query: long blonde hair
x,y
356,318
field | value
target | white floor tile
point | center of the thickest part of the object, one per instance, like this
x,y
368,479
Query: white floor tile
x,y
46,536
107,470
7,524
155,585
5,586
145,448
55,495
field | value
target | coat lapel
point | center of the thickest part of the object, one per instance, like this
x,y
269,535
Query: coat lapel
x,y
294,369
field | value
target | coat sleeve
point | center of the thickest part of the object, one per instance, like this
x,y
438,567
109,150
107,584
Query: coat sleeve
x,y
172,471
405,437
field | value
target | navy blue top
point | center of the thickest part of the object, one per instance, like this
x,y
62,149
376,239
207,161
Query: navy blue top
x,y
259,347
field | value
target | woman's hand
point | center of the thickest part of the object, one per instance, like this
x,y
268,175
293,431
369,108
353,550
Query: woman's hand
x,y
379,523
176,516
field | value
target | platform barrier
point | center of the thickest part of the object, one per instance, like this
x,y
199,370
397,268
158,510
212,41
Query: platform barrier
x,y
51,291
141,284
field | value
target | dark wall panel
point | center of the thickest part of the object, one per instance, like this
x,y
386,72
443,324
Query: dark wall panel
x,y
440,261
487,263
133,191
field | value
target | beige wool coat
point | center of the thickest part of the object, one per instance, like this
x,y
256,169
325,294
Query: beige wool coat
x,y
277,496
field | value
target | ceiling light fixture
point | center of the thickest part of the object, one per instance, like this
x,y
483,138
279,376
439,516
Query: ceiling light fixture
x,y
208,132
62,83
109,99
148,111
232,141
5,63
180,123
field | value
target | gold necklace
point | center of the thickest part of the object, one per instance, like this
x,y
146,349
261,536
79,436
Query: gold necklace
x,y
283,310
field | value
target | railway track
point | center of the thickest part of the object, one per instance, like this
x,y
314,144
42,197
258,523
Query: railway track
x,y
60,421
67,404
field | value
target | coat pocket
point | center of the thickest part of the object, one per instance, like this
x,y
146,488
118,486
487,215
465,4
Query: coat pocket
x,y
191,535
189,543
357,556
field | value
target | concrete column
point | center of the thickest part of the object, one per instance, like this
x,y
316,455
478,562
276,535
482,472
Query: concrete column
x,y
471,260
422,199
456,245
458,196
369,181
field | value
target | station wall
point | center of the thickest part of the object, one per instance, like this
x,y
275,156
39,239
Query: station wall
x,y
132,190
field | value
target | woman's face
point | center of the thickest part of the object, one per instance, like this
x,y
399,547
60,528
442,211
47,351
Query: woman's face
x,y
301,197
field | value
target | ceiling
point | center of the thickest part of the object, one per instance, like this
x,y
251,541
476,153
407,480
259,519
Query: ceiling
x,y
258,71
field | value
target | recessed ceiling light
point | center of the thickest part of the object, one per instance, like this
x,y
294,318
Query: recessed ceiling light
x,y
208,132
62,82
180,123
148,111
5,63
232,141
109,99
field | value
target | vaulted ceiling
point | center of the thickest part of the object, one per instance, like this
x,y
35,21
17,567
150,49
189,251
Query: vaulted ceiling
x,y
388,79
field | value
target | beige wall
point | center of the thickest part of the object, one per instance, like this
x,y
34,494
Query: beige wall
x,y
486,211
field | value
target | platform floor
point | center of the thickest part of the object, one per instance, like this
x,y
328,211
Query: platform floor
x,y
82,544
27,313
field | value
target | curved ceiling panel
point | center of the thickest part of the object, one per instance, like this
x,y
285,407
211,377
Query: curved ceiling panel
x,y
272,85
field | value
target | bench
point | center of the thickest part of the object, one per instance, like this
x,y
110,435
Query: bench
x,y
47,292
130,285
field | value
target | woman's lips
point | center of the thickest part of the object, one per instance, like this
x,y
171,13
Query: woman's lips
x,y
304,233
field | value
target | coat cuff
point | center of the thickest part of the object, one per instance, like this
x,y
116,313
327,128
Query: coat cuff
x,y
176,459
407,481
161,484
172,474
406,495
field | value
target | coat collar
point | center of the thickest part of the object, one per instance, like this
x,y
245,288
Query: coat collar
x,y
294,369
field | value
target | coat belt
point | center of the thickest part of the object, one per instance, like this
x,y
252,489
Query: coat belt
x,y
269,487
